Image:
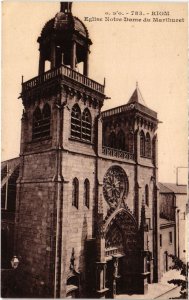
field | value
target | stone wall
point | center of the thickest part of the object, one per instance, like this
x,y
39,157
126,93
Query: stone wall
x,y
167,247
78,223
36,218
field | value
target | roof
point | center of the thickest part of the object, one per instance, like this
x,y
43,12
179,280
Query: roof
x,y
64,22
9,168
13,161
166,222
167,188
163,189
137,97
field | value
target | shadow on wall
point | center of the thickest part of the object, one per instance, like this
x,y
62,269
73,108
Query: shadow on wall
x,y
19,283
82,263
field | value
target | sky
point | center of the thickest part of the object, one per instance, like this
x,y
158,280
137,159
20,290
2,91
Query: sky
x,y
124,52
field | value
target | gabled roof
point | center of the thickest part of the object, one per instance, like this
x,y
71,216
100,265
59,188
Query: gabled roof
x,y
9,168
137,97
172,188
163,189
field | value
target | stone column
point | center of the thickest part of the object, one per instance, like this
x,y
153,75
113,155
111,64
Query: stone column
x,y
41,63
156,151
137,146
156,235
99,150
53,54
142,287
136,203
115,275
24,127
86,64
100,248
73,55
101,279
100,238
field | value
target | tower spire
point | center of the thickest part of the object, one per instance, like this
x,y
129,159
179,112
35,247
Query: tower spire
x,y
66,7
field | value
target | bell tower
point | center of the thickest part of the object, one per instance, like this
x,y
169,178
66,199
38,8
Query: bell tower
x,y
64,40
129,138
55,193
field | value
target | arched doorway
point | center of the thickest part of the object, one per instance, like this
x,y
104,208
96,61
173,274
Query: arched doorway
x,y
124,241
121,248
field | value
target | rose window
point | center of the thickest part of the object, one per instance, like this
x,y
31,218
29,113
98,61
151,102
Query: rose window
x,y
115,186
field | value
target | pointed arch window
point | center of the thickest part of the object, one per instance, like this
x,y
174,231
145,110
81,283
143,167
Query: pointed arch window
x,y
147,195
142,144
86,193
46,120
41,122
154,149
86,125
148,146
131,142
112,140
121,140
75,193
76,121
37,117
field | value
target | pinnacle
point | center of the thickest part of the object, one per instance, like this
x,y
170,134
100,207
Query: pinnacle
x,y
137,96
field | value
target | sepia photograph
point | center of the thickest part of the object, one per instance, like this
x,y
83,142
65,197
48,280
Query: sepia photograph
x,y
94,156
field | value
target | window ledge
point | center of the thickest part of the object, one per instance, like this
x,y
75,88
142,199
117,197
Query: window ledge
x,y
80,140
39,140
146,156
75,208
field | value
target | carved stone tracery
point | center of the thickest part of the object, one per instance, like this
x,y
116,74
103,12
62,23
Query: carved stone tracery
x,y
121,232
114,239
115,186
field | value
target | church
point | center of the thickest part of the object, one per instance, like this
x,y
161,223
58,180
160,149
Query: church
x,y
86,209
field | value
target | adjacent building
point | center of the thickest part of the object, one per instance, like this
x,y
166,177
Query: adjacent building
x,y
173,225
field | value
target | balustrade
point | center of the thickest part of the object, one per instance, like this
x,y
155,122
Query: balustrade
x,y
117,153
111,251
62,71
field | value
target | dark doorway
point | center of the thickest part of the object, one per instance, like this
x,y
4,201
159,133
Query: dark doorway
x,y
166,261
121,244
109,278
120,279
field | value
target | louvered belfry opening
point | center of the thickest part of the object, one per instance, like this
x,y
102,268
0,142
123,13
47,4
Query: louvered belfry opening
x,y
41,122
76,122
86,125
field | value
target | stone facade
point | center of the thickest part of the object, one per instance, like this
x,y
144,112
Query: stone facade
x,y
87,213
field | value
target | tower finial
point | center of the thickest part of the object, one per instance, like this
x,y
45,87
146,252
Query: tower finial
x,y
66,7
136,84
